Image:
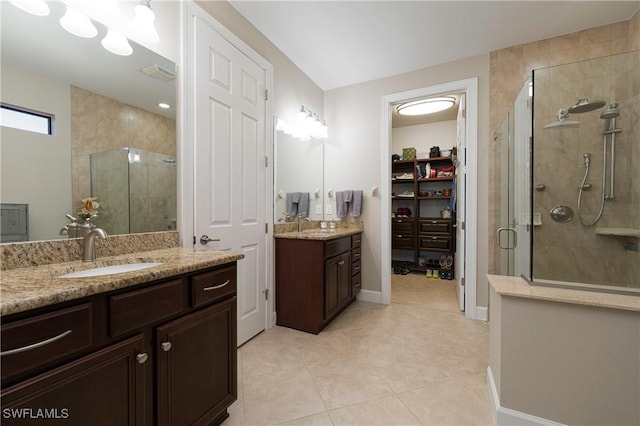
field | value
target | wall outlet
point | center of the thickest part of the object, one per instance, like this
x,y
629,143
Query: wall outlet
x,y
329,210
318,209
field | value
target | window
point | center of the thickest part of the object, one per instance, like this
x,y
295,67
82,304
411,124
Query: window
x,y
26,119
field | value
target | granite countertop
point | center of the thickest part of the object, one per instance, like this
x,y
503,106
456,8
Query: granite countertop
x,y
23,289
518,287
318,234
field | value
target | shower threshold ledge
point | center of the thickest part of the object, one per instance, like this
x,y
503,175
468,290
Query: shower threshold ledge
x,y
619,232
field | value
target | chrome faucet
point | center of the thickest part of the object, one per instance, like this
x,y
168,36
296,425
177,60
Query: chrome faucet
x,y
302,219
89,245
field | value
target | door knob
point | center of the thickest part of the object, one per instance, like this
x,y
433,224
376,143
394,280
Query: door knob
x,y
205,239
166,346
142,358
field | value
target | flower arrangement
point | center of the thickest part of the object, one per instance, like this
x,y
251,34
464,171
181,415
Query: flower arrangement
x,y
90,208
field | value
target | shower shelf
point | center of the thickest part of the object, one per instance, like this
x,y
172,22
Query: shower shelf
x,y
619,232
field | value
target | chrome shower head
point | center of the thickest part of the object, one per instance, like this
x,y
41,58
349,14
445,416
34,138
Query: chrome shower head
x,y
585,105
611,111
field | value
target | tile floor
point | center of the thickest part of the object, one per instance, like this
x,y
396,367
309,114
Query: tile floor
x,y
417,361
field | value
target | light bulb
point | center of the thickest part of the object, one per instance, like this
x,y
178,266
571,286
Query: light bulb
x,y
34,7
116,43
78,24
142,26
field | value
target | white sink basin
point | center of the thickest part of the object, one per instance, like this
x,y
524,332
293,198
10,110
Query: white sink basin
x,y
110,270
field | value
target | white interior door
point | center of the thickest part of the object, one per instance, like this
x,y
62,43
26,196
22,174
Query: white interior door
x,y
230,170
460,186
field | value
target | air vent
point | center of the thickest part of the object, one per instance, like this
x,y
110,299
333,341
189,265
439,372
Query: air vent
x,y
159,73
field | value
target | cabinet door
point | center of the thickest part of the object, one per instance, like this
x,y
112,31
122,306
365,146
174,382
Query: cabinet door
x,y
337,283
104,388
197,370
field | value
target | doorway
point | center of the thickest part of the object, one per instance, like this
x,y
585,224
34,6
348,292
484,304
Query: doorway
x,y
467,274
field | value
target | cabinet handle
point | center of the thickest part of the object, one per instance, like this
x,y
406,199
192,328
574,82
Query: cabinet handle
x,y
341,263
36,345
142,358
357,255
399,236
357,268
215,287
435,222
166,346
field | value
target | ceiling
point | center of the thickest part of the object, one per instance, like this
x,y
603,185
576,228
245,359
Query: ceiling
x,y
340,43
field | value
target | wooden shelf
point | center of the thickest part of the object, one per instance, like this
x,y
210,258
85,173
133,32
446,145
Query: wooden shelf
x,y
450,178
433,198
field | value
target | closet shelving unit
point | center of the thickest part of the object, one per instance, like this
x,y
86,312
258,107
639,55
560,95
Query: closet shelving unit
x,y
424,234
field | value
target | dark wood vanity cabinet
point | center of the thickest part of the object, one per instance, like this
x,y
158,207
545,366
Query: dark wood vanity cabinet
x,y
315,280
159,353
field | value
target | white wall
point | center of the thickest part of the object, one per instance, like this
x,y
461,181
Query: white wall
x,y
422,137
352,154
44,180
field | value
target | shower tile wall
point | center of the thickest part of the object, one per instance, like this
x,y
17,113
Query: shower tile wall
x,y
101,124
571,251
509,69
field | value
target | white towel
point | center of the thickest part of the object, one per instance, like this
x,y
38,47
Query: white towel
x,y
355,206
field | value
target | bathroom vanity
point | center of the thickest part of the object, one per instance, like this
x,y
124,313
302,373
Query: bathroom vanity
x,y
318,274
156,346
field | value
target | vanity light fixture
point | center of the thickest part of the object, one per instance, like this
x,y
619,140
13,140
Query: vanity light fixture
x,y
426,106
308,126
116,43
78,24
142,26
34,7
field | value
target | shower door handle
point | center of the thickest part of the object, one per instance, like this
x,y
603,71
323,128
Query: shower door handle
x,y
499,234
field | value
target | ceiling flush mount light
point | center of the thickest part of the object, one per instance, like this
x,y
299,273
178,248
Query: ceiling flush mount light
x,y
78,24
142,26
426,106
116,43
34,7
164,105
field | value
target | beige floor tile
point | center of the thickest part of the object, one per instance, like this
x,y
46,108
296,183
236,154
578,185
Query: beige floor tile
x,y
415,360
321,419
447,403
339,390
280,396
385,411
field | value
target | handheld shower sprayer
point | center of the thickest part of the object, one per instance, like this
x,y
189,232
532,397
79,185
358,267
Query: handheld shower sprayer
x,y
587,159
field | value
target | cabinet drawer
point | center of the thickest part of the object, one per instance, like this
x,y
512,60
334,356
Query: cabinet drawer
x,y
214,285
435,243
135,309
356,283
399,226
356,254
434,226
40,340
402,242
356,240
335,247
355,267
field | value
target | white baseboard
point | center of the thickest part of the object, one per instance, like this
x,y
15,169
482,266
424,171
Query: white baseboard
x,y
482,313
503,416
370,296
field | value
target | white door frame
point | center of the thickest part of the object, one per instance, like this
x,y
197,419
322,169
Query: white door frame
x,y
470,88
186,139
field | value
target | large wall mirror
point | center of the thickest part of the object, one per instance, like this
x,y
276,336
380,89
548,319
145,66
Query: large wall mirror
x,y
299,172
110,138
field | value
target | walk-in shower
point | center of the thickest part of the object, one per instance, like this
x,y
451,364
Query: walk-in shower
x,y
581,156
